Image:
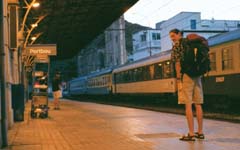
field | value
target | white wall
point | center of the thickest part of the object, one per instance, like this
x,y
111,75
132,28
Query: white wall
x,y
206,28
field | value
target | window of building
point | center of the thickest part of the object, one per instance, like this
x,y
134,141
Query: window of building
x,y
143,37
156,36
227,59
212,57
193,24
238,25
116,39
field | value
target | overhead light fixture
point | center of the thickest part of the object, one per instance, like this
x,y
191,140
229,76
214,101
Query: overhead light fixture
x,y
34,25
33,38
35,5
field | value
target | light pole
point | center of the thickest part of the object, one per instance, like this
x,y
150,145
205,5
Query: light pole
x,y
23,45
148,38
21,32
150,42
29,7
3,138
32,28
34,38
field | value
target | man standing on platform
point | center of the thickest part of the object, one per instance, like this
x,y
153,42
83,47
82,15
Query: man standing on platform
x,y
56,88
189,88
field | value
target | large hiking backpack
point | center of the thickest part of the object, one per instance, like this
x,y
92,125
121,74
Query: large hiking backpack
x,y
195,60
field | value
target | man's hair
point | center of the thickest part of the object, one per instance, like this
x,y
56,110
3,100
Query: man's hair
x,y
177,31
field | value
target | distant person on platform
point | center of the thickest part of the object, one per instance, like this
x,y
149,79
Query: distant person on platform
x,y
56,88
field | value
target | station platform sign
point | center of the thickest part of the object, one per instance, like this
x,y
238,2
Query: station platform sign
x,y
41,49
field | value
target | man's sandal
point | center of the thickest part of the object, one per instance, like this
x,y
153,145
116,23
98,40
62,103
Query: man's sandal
x,y
199,135
187,138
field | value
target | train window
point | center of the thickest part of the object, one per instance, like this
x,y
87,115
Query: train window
x,y
131,74
122,77
135,74
227,59
118,77
99,81
94,82
158,71
167,73
104,81
151,72
145,72
148,77
212,57
125,76
138,74
115,78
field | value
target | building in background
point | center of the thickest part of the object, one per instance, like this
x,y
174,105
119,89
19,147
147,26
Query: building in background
x,y
91,58
146,43
115,44
105,51
191,22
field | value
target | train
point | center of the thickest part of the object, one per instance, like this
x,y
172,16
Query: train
x,y
148,76
155,75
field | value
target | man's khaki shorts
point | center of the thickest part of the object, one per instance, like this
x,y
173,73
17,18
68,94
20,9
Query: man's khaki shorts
x,y
57,94
190,91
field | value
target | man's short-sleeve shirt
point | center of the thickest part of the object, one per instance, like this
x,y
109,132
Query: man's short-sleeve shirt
x,y
178,50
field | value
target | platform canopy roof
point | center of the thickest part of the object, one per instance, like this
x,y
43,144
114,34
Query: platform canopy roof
x,y
72,24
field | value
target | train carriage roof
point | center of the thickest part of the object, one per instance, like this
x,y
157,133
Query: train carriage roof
x,y
99,73
225,37
78,79
165,55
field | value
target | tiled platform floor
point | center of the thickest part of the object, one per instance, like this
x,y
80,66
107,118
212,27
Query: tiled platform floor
x,y
89,126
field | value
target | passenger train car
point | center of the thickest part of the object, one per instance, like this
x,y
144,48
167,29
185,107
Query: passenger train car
x,y
224,77
156,75
77,86
148,76
99,82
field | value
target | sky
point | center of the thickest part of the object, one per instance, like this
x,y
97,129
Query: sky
x,y
149,12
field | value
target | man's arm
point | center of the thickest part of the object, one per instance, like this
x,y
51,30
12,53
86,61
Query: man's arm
x,y
178,69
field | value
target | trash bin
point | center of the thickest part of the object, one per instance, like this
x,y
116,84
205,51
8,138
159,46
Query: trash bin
x,y
18,103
